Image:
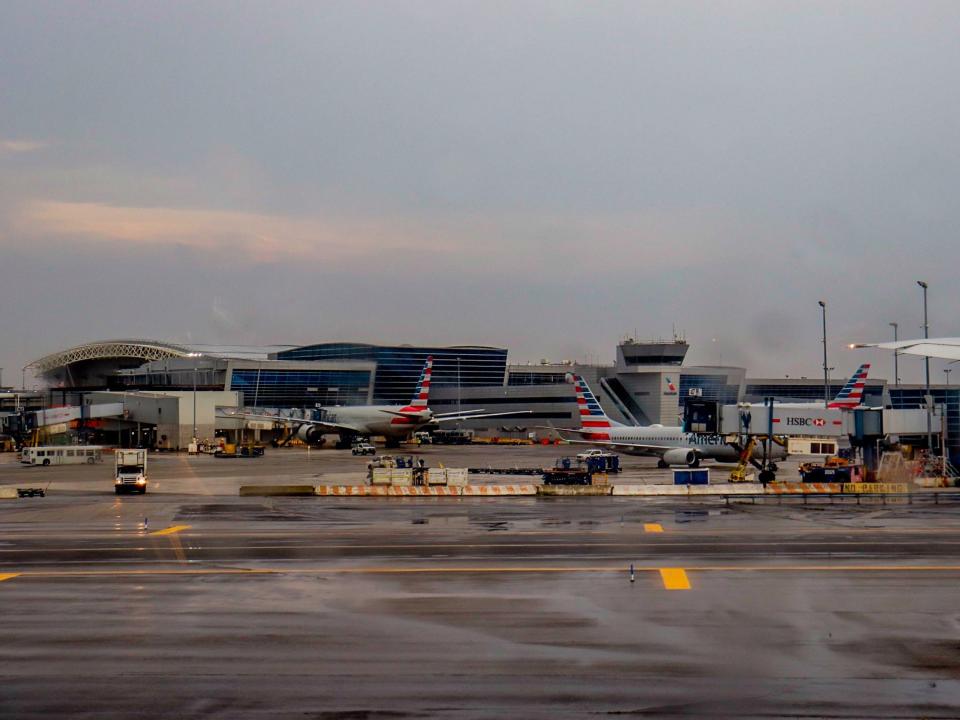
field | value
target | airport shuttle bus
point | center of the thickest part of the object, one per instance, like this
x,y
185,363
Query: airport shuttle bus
x,y
61,455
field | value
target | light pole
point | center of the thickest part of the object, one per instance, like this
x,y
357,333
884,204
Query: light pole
x,y
826,375
947,371
928,401
459,410
896,356
195,355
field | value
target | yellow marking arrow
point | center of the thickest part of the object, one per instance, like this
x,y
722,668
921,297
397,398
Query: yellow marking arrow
x,y
171,530
652,527
8,576
674,579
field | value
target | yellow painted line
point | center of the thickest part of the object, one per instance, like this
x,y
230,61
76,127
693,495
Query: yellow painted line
x,y
171,530
8,576
652,527
674,579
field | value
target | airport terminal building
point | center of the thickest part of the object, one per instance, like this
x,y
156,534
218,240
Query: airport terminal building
x,y
171,392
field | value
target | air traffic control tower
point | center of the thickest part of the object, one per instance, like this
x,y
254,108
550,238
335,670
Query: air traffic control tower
x,y
645,383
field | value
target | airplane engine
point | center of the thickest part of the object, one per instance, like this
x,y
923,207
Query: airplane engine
x,y
310,434
680,456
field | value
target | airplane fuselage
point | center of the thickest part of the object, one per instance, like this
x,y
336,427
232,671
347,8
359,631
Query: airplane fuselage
x,y
376,419
706,445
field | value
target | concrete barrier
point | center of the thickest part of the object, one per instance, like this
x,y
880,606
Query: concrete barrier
x,y
800,488
276,490
424,491
731,489
688,490
574,490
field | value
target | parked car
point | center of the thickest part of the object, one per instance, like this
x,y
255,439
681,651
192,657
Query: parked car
x,y
364,448
595,453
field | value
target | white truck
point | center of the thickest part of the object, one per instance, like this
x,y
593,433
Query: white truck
x,y
131,474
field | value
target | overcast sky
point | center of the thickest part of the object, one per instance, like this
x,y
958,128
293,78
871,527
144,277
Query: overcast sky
x,y
546,176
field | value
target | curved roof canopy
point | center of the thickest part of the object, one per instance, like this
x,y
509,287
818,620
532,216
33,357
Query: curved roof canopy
x,y
145,350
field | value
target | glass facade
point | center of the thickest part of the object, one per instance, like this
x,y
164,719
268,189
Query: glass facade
x,y
711,387
301,388
399,367
910,397
523,377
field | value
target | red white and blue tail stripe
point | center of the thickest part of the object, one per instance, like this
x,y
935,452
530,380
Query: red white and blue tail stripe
x,y
592,416
851,395
418,408
421,396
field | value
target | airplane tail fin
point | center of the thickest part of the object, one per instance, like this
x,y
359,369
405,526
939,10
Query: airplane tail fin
x,y
592,416
421,395
851,395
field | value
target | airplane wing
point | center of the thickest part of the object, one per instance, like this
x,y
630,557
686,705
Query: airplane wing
x,y
466,416
465,413
945,348
331,426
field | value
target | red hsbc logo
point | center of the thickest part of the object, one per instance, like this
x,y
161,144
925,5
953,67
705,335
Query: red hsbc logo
x,y
819,422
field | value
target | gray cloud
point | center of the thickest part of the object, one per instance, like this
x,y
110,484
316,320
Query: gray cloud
x,y
548,176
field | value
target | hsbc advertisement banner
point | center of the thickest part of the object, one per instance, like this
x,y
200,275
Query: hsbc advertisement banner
x,y
809,422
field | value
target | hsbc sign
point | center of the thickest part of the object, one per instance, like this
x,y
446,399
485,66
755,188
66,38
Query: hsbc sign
x,y
804,422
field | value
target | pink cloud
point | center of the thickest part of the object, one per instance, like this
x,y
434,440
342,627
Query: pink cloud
x,y
255,237
23,146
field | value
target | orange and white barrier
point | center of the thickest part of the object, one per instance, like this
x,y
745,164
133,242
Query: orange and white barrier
x,y
495,490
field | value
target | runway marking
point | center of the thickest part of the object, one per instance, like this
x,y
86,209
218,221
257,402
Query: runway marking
x,y
674,579
636,544
675,574
171,530
8,576
653,527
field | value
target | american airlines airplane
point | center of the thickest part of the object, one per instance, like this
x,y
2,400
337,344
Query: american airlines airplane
x,y
394,422
671,444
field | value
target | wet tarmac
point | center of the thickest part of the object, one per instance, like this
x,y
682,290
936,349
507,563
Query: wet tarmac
x,y
207,475
194,604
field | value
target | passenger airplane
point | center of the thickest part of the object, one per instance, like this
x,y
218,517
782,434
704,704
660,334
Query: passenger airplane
x,y
394,422
673,445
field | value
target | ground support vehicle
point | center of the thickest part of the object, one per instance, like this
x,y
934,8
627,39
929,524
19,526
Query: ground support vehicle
x,y
569,471
602,460
247,450
452,437
131,471
363,448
